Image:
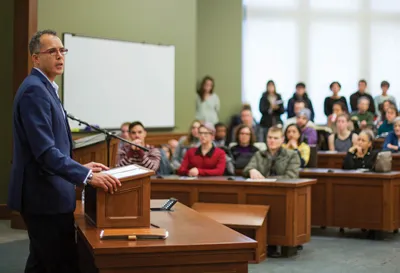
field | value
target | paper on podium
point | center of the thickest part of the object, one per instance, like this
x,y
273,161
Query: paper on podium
x,y
126,171
262,180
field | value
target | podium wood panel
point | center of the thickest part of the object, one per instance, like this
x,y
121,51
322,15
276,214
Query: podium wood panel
x,y
289,217
196,244
352,199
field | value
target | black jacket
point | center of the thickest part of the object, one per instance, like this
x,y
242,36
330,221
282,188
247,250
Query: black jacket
x,y
270,117
351,162
354,101
290,106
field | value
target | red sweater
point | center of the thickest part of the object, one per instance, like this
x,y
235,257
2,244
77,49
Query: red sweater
x,y
211,164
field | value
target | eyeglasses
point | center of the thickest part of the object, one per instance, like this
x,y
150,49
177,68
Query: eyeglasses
x,y
204,133
54,51
244,134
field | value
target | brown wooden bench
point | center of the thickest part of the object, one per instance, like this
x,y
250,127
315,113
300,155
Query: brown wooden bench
x,y
249,220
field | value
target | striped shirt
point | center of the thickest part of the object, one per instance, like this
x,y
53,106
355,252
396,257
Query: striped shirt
x,y
149,160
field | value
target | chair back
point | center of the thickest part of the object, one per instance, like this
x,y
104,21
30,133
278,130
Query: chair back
x,y
313,162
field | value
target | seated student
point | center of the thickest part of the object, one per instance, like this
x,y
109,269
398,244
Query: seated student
x,y
362,92
387,124
338,109
186,142
308,134
343,139
206,160
362,118
298,106
361,156
392,141
220,134
244,150
173,143
293,142
132,155
275,161
123,134
246,117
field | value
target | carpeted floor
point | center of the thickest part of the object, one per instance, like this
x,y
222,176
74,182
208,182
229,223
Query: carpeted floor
x,y
328,252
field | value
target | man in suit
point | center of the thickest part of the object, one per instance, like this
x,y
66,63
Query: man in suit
x,y
43,176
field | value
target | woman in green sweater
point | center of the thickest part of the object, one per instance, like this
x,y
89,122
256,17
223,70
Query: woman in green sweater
x,y
387,124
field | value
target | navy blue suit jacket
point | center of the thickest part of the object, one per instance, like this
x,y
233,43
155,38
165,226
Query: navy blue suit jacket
x,y
391,138
43,175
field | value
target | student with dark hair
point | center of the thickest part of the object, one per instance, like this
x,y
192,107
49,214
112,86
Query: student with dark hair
x,y
338,109
360,155
244,150
330,101
392,141
293,141
362,92
387,125
271,107
220,134
207,103
300,95
132,155
379,100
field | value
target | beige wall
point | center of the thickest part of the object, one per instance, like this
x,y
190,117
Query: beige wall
x,y
6,48
219,50
153,21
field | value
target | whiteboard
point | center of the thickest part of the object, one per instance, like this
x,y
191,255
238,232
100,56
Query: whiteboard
x,y
108,82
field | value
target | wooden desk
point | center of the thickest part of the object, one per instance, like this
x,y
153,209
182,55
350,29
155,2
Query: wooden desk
x,y
334,160
351,199
196,244
249,220
289,217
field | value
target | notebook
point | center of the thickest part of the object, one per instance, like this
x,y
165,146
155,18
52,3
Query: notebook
x,y
134,234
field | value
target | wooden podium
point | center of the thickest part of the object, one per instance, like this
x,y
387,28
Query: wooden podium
x,y
128,207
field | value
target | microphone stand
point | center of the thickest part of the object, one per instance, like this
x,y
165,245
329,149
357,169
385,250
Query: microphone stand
x,y
109,136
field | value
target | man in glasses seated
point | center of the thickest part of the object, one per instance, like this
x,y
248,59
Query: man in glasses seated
x,y
275,161
130,154
206,160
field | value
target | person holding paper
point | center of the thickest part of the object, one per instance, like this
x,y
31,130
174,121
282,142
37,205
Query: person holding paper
x,y
206,160
43,175
275,161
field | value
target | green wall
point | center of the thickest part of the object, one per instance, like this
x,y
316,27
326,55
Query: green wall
x,y
6,47
153,21
219,50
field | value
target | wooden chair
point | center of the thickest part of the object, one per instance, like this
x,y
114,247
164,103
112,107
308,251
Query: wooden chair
x,y
250,220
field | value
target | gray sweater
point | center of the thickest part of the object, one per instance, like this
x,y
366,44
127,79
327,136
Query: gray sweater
x,y
207,111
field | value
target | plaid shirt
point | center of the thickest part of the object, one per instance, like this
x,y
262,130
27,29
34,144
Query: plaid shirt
x,y
149,160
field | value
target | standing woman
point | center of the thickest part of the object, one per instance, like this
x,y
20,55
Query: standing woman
x,y
330,101
271,107
207,102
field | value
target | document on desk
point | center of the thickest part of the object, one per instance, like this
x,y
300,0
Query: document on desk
x,y
262,180
126,171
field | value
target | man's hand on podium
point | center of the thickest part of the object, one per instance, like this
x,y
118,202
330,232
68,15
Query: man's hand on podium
x,y
96,167
105,181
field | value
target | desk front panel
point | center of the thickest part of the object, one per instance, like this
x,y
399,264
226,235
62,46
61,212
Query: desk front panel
x,y
355,200
289,217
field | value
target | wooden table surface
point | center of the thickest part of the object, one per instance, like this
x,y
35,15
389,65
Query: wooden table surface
x,y
195,242
354,199
289,217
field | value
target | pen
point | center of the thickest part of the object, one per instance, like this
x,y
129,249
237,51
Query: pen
x,y
153,225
